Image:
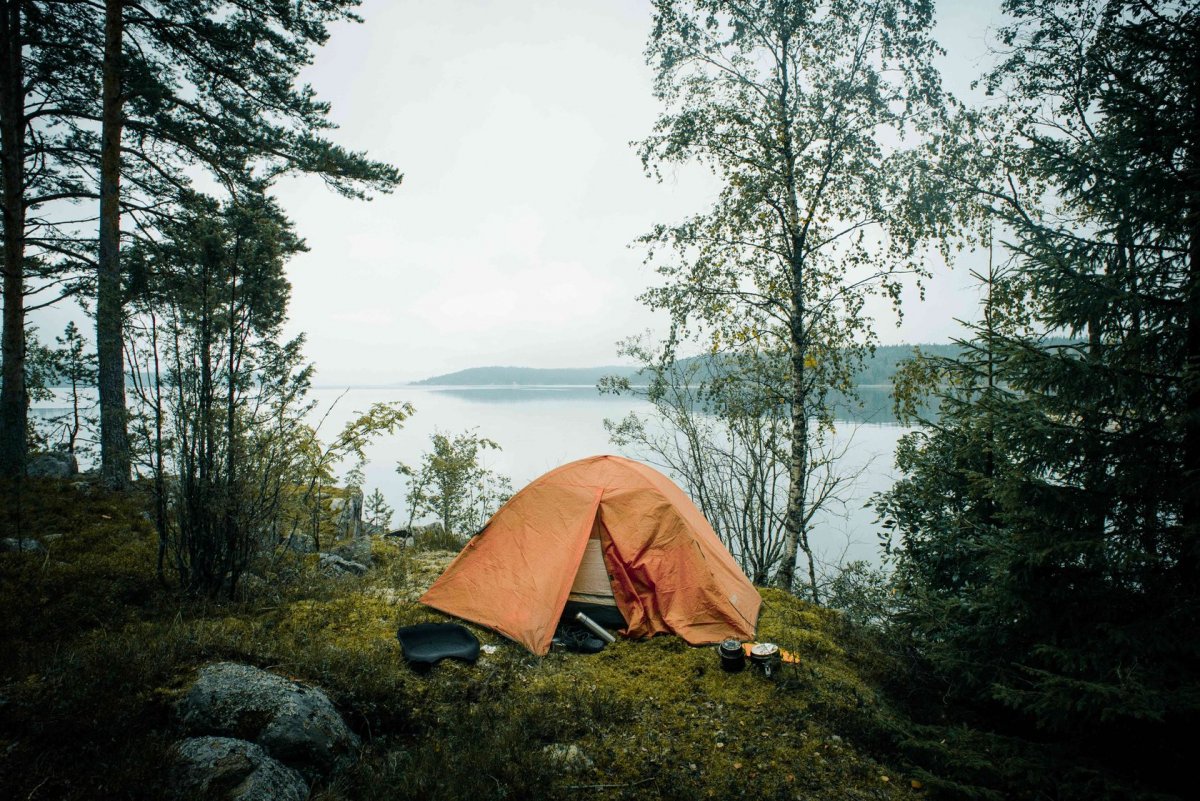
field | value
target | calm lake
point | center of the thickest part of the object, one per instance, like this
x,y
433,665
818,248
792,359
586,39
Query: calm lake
x,y
539,428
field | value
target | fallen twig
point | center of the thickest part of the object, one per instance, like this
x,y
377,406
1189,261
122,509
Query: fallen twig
x,y
606,786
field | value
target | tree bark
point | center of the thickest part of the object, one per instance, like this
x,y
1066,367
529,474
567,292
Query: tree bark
x,y
795,535
114,438
13,401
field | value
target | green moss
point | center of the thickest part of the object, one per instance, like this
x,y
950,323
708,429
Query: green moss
x,y
101,653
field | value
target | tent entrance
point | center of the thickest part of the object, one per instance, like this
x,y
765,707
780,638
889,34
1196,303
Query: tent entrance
x,y
591,592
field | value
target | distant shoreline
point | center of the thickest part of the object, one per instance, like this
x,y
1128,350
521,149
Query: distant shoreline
x,y
876,370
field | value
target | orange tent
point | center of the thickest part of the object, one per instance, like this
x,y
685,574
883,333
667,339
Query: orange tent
x,y
669,572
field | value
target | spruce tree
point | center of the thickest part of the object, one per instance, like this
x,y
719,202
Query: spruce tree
x,y
1046,526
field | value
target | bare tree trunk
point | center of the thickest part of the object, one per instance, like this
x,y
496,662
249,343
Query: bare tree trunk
x,y
13,404
235,541
160,480
114,438
1190,513
796,519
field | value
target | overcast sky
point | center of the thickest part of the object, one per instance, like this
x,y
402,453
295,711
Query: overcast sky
x,y
509,241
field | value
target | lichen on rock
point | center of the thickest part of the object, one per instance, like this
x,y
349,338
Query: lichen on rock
x,y
296,724
226,769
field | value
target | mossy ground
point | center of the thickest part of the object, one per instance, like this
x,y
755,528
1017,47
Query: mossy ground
x,y
96,651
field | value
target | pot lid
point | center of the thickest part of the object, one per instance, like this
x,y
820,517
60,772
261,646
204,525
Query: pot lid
x,y
764,649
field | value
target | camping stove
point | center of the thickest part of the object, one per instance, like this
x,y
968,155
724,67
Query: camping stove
x,y
766,656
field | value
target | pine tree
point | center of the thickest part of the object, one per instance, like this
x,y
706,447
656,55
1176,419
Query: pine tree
x,y
378,512
45,155
174,86
76,366
205,84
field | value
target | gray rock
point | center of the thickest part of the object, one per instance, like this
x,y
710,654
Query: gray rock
x,y
349,521
357,549
301,543
295,724
567,758
53,464
402,538
333,565
21,545
228,769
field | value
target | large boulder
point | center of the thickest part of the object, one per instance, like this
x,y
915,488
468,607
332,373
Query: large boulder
x,y
53,464
295,724
225,769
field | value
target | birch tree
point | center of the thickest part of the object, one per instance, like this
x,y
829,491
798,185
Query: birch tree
x,y
801,109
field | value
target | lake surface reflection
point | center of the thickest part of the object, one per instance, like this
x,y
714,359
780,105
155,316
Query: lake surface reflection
x,y
540,428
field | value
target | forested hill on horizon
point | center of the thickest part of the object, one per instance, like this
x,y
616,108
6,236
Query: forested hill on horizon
x,y
877,369
528,376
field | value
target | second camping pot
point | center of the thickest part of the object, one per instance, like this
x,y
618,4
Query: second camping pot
x,y
766,656
733,658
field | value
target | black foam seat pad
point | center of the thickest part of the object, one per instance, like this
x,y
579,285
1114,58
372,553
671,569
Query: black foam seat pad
x,y
426,644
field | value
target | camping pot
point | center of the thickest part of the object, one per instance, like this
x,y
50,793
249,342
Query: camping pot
x,y
733,658
766,656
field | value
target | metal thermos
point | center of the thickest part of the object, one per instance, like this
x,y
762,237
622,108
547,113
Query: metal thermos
x,y
595,627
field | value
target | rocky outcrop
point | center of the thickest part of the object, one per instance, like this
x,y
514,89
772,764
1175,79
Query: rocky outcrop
x,y
225,769
333,565
349,521
53,464
297,725
357,549
400,537
300,543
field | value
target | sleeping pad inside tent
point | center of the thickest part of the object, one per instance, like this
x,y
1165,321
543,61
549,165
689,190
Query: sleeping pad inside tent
x,y
605,531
